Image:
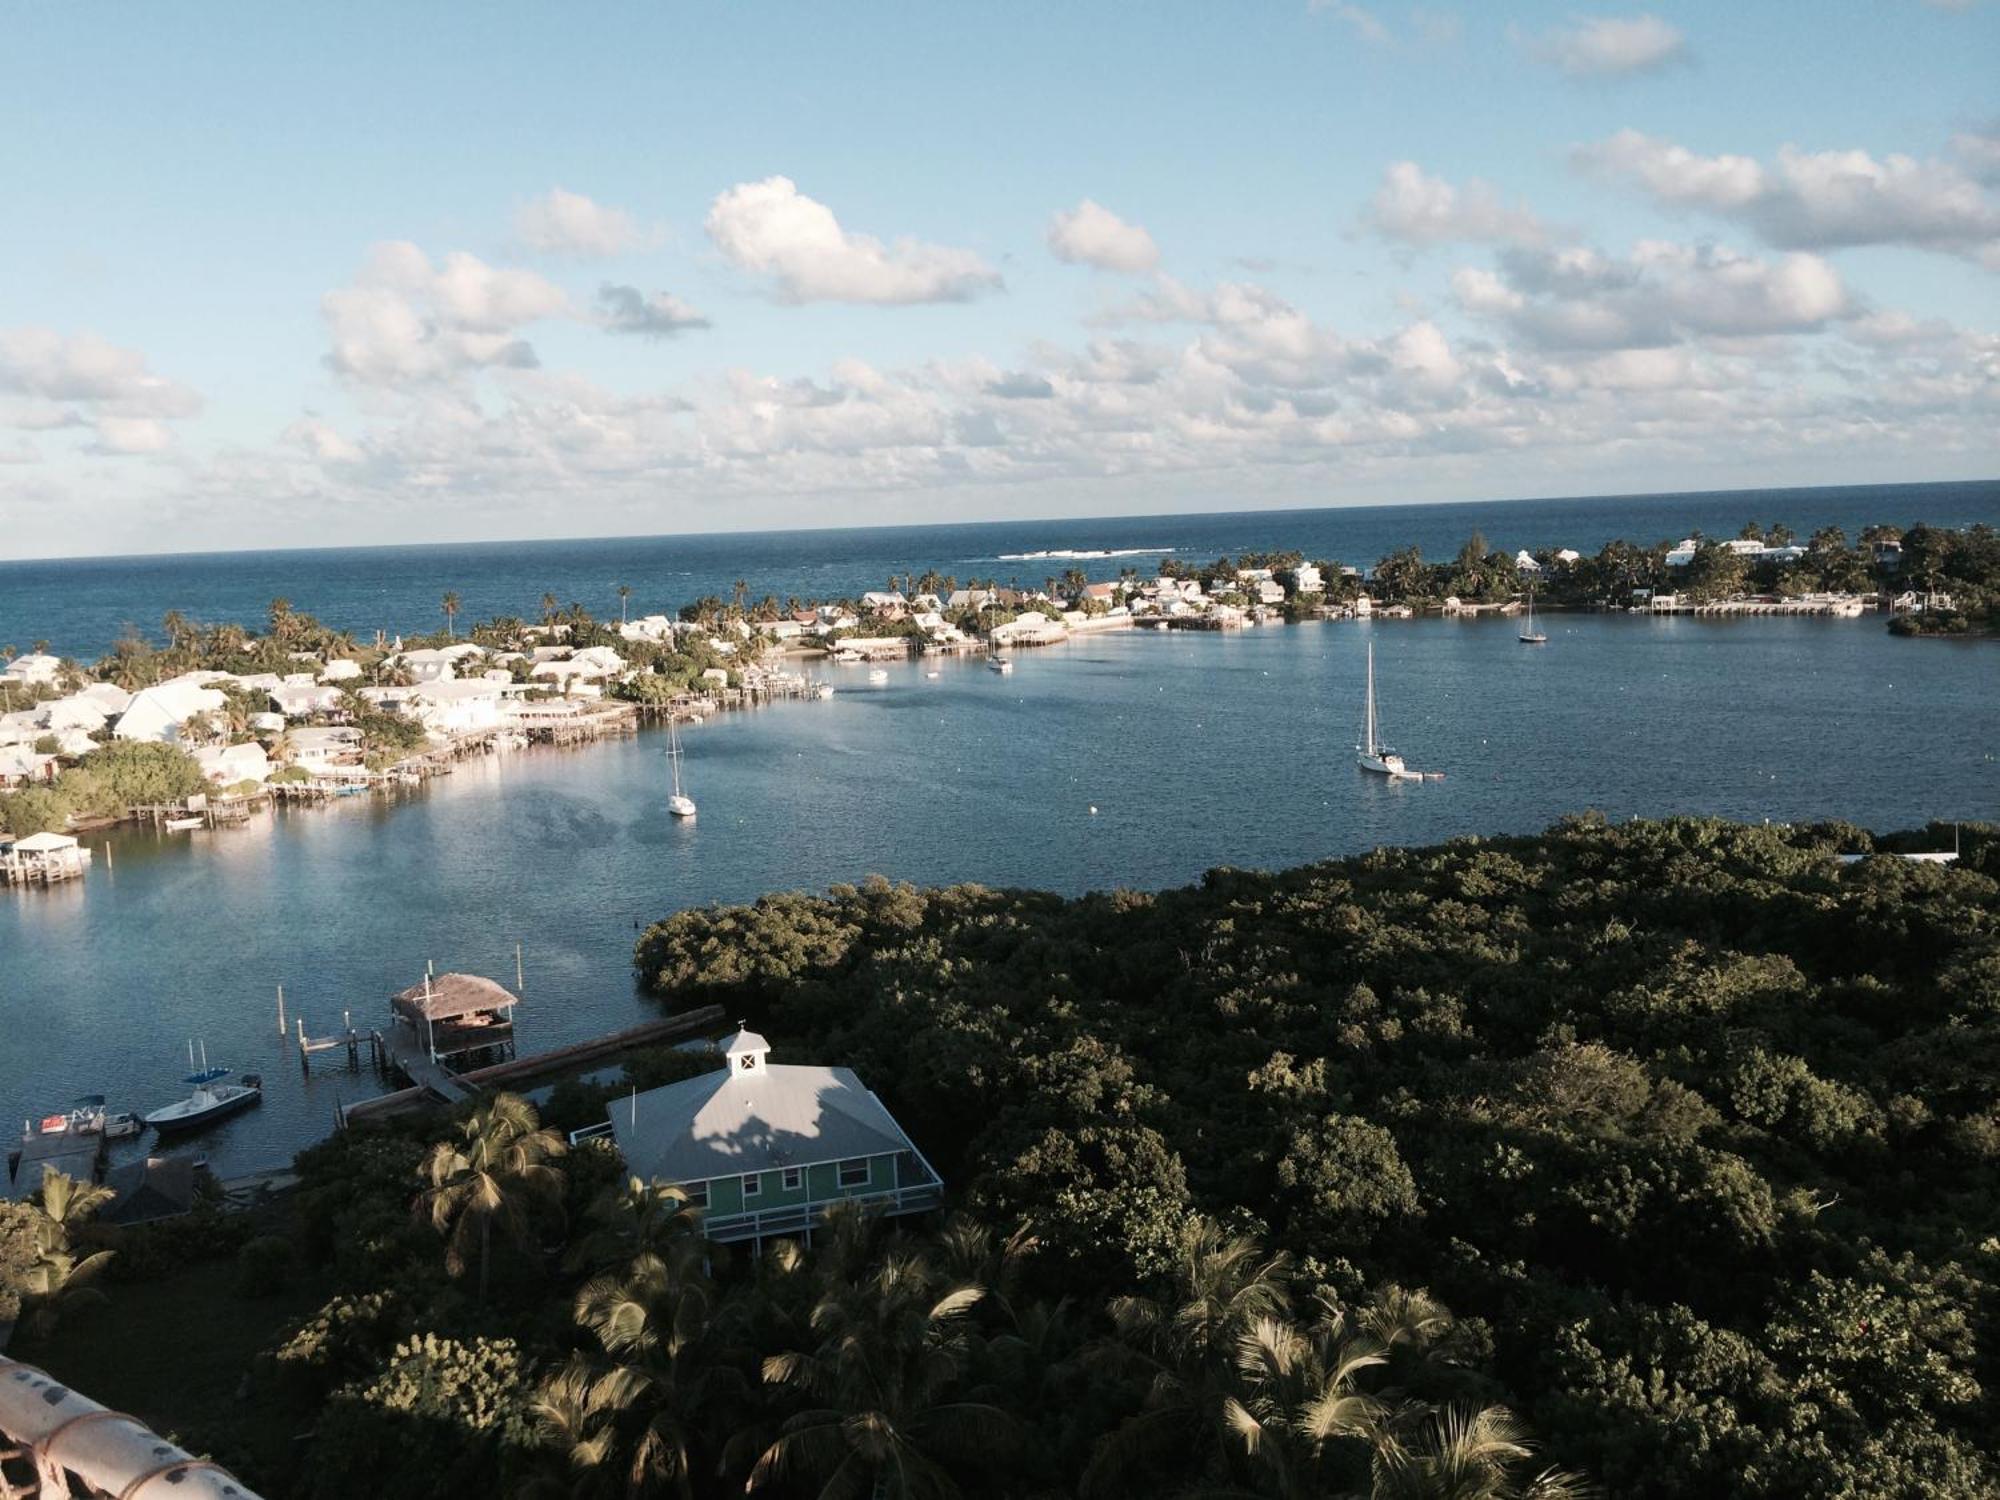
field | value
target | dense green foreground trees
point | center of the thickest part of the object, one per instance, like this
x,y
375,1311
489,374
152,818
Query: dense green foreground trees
x,y
1662,1155
1700,1124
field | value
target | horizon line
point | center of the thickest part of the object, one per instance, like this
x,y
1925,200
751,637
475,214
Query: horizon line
x,y
1183,515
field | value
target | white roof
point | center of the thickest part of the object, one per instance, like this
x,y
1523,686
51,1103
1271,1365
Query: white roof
x,y
44,843
729,1122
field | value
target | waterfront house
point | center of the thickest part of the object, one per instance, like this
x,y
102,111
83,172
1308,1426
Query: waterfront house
x,y
1526,565
225,765
1307,580
320,749
20,766
765,1148
301,700
157,713
437,664
343,670
453,707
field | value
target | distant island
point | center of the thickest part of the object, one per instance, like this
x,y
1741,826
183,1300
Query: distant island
x,y
1647,1160
216,713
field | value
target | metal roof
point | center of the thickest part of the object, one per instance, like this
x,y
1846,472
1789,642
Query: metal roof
x,y
724,1123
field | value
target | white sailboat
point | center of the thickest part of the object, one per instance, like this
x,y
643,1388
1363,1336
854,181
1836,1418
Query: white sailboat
x,y
680,804
1372,754
1529,635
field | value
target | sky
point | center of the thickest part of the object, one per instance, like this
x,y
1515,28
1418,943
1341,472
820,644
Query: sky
x,y
367,273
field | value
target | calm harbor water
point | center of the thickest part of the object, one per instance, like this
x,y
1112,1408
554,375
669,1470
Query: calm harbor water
x,y
1194,750
81,606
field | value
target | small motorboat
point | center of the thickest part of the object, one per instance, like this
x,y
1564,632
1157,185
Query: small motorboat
x,y
879,676
120,1124
211,1100
1004,665
825,691
183,825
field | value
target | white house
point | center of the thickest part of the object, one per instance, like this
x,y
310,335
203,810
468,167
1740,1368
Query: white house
x,y
436,663
300,700
343,670
157,713
20,766
1030,629
1306,577
1526,565
225,765
322,749
882,602
454,707
35,668
648,628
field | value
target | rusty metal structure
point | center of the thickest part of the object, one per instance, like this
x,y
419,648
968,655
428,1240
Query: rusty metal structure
x,y
56,1445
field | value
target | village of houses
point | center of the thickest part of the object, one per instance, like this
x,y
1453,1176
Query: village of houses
x,y
465,697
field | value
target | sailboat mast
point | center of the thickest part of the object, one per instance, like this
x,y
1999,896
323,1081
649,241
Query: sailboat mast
x,y
1368,729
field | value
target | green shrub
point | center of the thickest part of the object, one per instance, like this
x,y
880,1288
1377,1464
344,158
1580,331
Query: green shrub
x,y
265,1266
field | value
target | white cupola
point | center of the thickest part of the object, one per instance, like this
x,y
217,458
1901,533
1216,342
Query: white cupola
x,y
745,1052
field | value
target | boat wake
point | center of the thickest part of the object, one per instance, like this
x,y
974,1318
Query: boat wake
x,y
1079,554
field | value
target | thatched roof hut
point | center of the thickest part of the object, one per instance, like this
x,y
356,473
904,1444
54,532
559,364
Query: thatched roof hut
x,y
454,997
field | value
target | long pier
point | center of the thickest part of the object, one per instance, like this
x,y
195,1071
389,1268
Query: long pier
x,y
433,1084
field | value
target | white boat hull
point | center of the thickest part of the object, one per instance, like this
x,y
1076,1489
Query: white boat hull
x,y
681,807
203,1107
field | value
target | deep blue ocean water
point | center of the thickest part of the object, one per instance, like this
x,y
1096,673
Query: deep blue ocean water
x,y
1193,750
81,606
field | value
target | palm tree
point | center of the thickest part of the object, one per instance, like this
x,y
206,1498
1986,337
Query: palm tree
x,y
642,1419
624,593
636,1218
549,608
1298,1395
1187,1346
1466,1453
494,1173
58,1282
741,589
884,1416
450,610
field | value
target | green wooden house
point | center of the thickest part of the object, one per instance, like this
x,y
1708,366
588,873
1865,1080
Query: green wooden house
x,y
766,1148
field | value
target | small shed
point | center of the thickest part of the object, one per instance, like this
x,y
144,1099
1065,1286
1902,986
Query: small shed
x,y
449,1015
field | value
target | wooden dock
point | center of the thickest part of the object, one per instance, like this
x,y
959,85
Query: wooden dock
x,y
433,1084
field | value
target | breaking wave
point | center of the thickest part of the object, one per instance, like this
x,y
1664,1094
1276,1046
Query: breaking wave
x,y
1080,554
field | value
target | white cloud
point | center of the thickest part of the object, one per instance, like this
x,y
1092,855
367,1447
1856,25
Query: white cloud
x,y
1365,23
564,223
1419,209
1612,46
772,228
404,320
1662,294
1092,235
625,309
1813,200
1980,151
320,441
51,381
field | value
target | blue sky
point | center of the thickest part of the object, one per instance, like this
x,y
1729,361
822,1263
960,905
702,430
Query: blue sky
x,y
1340,253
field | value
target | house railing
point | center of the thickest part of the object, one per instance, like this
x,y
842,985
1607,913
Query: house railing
x,y
799,1218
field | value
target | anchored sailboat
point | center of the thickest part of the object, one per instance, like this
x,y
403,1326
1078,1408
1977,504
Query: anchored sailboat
x,y
679,804
1529,635
1372,754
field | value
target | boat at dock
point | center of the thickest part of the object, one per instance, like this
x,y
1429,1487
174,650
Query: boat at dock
x,y
1001,664
211,1100
1372,754
679,803
183,825
69,1141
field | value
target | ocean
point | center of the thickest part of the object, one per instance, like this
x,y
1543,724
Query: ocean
x,y
1133,759
81,606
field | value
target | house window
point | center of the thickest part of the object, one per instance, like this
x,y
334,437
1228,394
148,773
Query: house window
x,y
697,1193
753,1184
854,1173
794,1179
